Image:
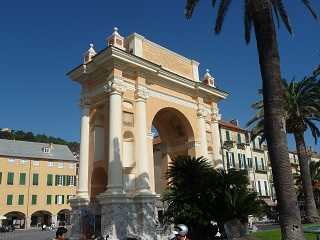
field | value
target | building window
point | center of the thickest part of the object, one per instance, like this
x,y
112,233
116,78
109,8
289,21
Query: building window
x,y
21,200
259,188
60,164
59,199
249,162
262,164
50,164
71,180
266,188
22,179
242,161
230,160
35,163
34,199
46,149
0,177
23,162
49,179
11,160
59,180
228,135
9,199
35,179
10,178
49,198
256,162
239,138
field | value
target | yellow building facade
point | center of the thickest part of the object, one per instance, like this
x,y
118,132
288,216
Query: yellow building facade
x,y
36,182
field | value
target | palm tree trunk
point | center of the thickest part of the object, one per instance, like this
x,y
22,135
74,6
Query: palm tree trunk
x,y
290,220
312,215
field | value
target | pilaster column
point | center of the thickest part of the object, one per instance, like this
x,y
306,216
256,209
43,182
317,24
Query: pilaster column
x,y
201,114
84,150
216,142
115,89
141,147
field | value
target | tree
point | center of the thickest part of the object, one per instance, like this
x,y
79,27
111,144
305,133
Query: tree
x,y
259,15
302,109
198,194
189,194
315,180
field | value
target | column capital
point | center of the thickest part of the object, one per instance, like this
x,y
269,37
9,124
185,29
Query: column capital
x,y
141,93
115,85
215,116
84,104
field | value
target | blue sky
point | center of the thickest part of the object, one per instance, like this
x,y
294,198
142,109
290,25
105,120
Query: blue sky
x,y
42,40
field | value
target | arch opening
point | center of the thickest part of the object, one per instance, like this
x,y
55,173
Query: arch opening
x,y
15,218
41,217
63,217
172,136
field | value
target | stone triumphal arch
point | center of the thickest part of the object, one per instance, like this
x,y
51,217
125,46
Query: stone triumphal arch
x,y
142,105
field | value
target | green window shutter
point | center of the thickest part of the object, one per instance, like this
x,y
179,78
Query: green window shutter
x,y
62,199
9,199
240,162
22,180
228,163
56,180
228,135
262,163
245,162
34,200
233,160
239,138
10,178
75,180
21,200
49,179
259,187
64,180
35,179
256,162
49,199
0,177
56,199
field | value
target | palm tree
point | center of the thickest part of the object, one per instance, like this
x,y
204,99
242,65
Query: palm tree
x,y
315,181
259,14
302,109
198,194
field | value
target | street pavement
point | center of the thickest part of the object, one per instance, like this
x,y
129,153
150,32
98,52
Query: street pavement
x,y
34,234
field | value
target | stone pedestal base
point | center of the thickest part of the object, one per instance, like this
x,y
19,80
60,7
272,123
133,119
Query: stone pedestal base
x,y
79,207
123,216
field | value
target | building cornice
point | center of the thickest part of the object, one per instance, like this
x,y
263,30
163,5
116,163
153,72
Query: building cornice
x,y
79,73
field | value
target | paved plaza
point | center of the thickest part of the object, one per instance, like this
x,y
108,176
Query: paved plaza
x,y
28,235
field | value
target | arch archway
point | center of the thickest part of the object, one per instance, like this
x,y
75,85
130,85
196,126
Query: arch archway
x,y
63,217
41,217
18,219
173,136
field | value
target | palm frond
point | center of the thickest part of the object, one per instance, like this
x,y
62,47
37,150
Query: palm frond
x,y
310,8
283,14
223,8
191,4
247,21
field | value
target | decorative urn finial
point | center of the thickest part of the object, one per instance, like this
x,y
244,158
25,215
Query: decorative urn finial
x,y
208,79
116,39
89,54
